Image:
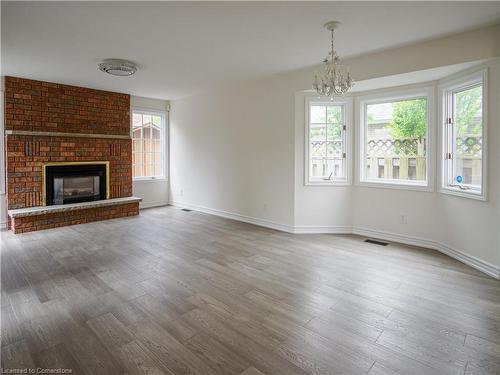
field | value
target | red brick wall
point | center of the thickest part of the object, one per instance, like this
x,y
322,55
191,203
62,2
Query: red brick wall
x,y
60,219
44,106
27,154
50,107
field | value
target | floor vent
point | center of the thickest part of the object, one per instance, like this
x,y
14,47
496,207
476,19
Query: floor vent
x,y
375,242
186,210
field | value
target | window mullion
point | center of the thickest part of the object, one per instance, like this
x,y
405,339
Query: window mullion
x,y
143,154
344,142
325,155
452,140
448,125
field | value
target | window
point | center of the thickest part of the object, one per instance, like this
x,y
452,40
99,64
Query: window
x,y
148,145
394,140
327,142
464,137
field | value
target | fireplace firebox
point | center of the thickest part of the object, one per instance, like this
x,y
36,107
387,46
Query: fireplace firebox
x,y
75,182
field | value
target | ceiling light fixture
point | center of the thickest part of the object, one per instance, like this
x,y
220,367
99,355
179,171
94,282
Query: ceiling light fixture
x,y
334,81
117,67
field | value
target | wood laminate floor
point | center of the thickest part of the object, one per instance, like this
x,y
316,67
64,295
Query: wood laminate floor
x,y
173,292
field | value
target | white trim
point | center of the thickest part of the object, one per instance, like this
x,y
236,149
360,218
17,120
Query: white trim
x,y
149,110
164,138
234,216
328,183
481,265
347,103
426,91
471,194
152,204
323,229
446,86
387,184
149,180
459,255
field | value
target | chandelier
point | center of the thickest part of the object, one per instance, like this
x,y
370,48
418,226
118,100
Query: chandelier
x,y
334,81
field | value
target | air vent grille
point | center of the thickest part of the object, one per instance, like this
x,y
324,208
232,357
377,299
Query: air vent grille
x,y
375,242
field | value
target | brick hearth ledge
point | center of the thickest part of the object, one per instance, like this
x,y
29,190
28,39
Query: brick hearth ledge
x,y
41,210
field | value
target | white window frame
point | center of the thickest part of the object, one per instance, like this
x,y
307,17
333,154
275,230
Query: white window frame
x,y
390,95
446,88
163,143
347,103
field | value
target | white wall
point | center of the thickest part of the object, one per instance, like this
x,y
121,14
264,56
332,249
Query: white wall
x,y
238,150
230,151
153,192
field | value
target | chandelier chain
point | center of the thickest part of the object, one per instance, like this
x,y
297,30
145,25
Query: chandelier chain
x,y
333,49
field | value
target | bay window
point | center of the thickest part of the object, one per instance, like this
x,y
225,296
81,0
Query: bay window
x,y
397,144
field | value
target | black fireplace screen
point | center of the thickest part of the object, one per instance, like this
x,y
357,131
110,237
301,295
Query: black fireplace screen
x,y
75,183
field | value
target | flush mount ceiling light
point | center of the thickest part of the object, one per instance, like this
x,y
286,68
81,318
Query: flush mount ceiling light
x,y
116,67
334,81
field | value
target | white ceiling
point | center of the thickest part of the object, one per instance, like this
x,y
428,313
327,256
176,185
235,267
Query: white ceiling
x,y
183,48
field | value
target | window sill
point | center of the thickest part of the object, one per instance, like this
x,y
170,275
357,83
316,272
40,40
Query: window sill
x,y
149,180
328,183
395,185
463,193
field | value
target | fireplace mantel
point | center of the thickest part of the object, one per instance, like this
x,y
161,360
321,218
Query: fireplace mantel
x,y
63,134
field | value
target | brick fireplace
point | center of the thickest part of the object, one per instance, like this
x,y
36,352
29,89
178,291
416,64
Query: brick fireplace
x,y
49,125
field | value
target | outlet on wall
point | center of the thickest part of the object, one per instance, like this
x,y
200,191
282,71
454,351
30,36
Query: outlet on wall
x,y
403,219
181,192
264,207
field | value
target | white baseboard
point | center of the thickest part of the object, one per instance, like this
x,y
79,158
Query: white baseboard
x,y
330,229
459,255
470,260
152,204
393,237
233,216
